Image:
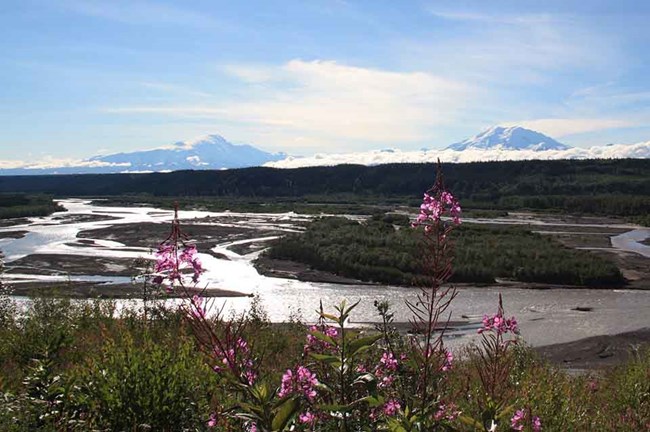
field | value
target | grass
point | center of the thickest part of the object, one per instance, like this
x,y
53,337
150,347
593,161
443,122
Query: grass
x,y
67,366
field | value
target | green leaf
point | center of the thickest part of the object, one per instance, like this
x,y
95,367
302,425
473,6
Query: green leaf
x,y
252,409
375,401
329,317
506,412
324,388
470,422
284,413
323,337
353,306
327,358
364,342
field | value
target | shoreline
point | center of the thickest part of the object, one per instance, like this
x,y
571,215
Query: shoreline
x,y
596,352
589,354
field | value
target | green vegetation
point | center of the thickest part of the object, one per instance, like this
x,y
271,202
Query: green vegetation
x,y
21,205
596,187
71,367
303,205
384,249
66,367
602,187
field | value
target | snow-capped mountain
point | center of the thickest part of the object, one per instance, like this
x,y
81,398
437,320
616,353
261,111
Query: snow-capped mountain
x,y
214,152
208,152
499,143
509,138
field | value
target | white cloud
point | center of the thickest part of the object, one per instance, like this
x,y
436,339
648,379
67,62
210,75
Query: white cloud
x,y
504,49
251,73
563,127
49,162
326,100
377,157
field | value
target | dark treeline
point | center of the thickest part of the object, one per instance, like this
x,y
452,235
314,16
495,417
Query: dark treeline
x,y
616,187
21,205
386,250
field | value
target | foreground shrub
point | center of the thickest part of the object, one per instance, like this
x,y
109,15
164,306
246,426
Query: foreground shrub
x,y
150,386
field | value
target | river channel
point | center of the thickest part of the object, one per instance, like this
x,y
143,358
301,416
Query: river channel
x,y
546,316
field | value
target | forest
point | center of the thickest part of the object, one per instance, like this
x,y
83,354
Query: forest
x,y
604,187
22,205
386,250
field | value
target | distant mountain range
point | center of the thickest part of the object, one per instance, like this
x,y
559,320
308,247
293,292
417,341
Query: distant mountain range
x,y
494,144
509,138
208,152
215,152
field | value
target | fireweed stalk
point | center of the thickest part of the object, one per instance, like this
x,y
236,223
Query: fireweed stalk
x,y
222,340
439,215
495,361
346,388
174,255
493,365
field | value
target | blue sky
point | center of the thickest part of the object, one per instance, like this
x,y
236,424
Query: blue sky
x,y
82,77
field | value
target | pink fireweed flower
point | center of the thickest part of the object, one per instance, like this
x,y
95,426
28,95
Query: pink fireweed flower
x,y
212,421
198,306
449,358
517,420
302,381
385,369
433,208
316,345
170,263
386,381
307,418
388,361
446,412
237,359
391,407
251,376
499,324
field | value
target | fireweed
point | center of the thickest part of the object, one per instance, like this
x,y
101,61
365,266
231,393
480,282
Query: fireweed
x,y
346,380
493,364
428,361
522,418
222,340
174,255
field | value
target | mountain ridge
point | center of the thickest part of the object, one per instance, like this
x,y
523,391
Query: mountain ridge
x,y
214,152
207,152
509,138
